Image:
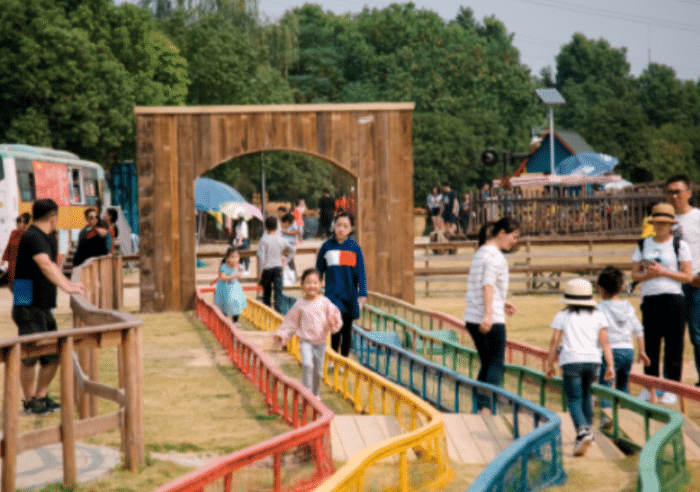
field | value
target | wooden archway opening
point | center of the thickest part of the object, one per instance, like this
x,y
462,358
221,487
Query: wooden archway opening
x,y
175,145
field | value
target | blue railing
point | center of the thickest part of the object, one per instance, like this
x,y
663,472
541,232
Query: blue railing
x,y
662,464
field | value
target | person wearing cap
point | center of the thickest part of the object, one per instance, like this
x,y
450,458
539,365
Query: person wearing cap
x,y
662,271
581,331
678,194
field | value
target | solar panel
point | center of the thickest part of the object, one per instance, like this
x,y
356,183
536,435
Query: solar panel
x,y
550,96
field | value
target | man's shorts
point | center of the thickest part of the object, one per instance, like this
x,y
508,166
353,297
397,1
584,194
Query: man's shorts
x,y
31,320
449,217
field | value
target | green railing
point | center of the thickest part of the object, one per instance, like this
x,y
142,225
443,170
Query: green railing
x,y
662,465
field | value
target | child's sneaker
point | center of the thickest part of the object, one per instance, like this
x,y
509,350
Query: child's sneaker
x,y
669,398
583,441
606,422
645,395
34,406
50,405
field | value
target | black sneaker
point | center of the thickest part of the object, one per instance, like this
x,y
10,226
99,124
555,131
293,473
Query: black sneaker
x,y
583,441
51,405
35,406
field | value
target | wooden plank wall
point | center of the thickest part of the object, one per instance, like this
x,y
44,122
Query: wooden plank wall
x,y
175,145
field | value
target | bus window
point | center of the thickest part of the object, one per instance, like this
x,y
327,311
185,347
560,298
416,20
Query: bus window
x,y
2,170
75,184
25,181
91,192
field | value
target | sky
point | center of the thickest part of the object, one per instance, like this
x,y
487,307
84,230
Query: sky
x,y
663,31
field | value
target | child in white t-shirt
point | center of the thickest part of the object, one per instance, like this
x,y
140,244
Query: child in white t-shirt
x,y
622,325
581,330
311,319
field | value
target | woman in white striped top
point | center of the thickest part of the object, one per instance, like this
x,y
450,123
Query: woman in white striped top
x,y
487,287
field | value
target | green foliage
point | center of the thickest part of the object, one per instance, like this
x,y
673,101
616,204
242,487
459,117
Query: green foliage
x,y
58,88
648,123
72,72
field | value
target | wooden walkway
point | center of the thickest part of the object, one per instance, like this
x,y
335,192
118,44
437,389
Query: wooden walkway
x,y
471,439
477,439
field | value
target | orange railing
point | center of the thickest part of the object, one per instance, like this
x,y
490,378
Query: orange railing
x,y
284,396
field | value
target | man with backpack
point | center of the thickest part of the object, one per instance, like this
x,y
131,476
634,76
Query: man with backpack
x,y
678,194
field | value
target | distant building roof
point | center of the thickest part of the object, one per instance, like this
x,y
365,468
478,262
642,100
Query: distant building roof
x,y
574,141
566,143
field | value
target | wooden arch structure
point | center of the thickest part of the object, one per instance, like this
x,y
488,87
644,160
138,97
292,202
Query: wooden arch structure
x,y
175,145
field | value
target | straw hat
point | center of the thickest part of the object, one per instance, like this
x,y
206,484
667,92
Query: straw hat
x,y
663,212
578,292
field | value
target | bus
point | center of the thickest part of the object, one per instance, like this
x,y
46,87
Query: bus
x,y
30,173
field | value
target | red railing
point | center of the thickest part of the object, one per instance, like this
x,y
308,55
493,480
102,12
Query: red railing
x,y
310,419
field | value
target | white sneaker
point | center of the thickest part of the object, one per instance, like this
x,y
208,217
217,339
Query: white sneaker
x,y
669,398
583,441
605,422
644,395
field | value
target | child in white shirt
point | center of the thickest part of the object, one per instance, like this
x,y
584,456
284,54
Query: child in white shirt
x,y
581,331
311,319
622,324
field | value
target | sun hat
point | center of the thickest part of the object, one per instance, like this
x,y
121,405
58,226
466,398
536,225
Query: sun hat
x,y
578,292
663,212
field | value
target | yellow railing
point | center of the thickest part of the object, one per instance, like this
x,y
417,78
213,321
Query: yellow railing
x,y
415,460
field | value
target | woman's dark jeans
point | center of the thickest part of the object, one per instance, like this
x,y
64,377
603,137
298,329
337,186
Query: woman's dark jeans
x,y
492,350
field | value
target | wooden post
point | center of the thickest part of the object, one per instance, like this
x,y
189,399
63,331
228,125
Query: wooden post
x,y
67,409
138,410
131,401
10,418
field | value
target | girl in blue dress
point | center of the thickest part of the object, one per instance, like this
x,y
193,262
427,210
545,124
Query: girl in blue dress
x,y
229,296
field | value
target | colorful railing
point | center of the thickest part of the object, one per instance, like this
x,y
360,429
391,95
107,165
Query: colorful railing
x,y
532,462
662,459
287,397
384,466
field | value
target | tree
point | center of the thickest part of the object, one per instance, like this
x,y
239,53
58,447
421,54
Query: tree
x,y
58,88
659,93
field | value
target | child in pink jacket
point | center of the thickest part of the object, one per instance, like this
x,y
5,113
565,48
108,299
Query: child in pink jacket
x,y
311,319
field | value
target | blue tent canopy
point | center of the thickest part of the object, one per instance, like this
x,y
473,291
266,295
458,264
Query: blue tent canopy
x,y
587,163
209,194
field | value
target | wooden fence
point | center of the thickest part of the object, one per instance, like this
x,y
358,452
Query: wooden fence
x,y
539,265
558,211
95,328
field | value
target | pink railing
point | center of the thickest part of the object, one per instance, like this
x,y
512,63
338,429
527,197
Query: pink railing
x,y
307,415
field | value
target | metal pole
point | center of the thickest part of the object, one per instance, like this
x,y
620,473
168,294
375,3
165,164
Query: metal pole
x,y
551,141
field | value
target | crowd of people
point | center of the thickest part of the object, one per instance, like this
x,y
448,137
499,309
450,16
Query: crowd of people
x,y
447,214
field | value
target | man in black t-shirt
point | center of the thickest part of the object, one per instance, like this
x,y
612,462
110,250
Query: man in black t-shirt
x,y
36,277
448,208
326,209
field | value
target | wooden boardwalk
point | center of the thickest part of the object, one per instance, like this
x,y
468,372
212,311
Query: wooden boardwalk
x,y
477,439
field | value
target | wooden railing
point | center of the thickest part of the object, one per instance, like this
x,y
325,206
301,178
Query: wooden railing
x,y
94,329
442,268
